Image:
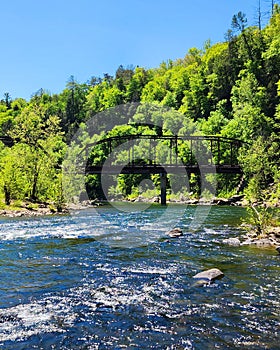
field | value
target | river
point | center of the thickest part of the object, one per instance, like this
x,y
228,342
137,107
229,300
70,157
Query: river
x,y
108,278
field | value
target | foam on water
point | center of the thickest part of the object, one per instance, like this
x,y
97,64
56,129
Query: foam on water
x,y
43,316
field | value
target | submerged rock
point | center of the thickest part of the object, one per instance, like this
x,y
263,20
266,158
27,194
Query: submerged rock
x,y
201,282
175,232
208,276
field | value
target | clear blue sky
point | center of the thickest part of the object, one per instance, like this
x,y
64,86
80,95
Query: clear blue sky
x,y
43,43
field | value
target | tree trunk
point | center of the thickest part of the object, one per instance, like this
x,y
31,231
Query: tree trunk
x,y
34,187
7,193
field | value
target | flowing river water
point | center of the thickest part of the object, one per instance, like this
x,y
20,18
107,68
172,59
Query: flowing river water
x,y
109,279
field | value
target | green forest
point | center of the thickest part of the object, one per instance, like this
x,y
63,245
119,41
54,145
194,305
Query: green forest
x,y
230,89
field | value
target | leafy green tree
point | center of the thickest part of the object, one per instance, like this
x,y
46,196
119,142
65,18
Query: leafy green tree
x,y
178,82
94,100
257,169
42,149
70,106
154,91
111,97
248,103
13,181
216,121
272,60
136,85
239,23
123,77
195,103
221,73
6,120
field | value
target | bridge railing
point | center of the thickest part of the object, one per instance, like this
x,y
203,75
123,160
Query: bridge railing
x,y
144,150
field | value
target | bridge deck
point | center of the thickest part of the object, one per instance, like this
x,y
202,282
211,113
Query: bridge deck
x,y
163,169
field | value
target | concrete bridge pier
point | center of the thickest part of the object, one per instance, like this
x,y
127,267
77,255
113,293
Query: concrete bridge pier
x,y
163,183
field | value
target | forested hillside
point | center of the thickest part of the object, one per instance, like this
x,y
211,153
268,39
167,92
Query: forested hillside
x,y
230,89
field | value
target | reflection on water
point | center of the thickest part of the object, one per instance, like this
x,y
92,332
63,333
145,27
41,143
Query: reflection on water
x,y
66,285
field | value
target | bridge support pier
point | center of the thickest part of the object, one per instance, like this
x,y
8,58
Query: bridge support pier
x,y
163,182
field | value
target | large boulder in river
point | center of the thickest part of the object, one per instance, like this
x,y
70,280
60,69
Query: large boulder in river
x,y
209,275
175,232
278,249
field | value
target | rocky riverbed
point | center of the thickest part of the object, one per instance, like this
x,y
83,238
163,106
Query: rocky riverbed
x,y
31,210
236,200
270,239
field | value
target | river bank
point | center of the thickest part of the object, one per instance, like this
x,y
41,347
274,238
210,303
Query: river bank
x,y
27,209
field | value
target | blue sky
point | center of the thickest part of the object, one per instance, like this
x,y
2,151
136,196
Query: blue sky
x,y
43,43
